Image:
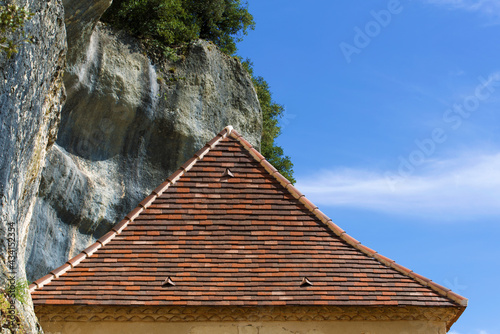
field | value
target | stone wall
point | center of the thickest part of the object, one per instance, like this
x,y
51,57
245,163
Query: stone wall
x,y
57,319
279,327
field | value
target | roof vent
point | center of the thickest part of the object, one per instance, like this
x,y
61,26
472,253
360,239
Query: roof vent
x,y
168,282
226,176
306,282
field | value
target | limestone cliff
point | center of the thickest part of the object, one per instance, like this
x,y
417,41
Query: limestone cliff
x,y
70,170
31,96
126,125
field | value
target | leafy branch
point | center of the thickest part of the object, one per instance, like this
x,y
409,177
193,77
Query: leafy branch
x,y
12,20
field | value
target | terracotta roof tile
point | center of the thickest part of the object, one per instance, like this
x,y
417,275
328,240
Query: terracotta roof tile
x,y
92,248
250,240
61,270
134,213
201,153
148,201
76,260
121,225
44,280
106,238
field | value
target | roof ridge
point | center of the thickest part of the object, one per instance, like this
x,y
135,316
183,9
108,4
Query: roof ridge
x,y
119,227
443,291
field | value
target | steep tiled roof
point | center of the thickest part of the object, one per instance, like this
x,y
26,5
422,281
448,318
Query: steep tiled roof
x,y
228,229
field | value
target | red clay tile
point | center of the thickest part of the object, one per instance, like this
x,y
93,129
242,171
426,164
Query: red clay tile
x,y
402,269
148,201
233,243
256,155
294,191
44,280
321,216
384,260
235,134
189,164
440,287
61,270
77,259
281,179
350,240
134,213
164,186
92,248
61,302
367,250
308,204
118,228
107,237
226,131
421,278
175,176
245,143
201,153
269,168
214,141
454,296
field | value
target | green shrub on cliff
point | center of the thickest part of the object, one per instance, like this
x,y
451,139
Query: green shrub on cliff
x,y
166,23
12,20
223,22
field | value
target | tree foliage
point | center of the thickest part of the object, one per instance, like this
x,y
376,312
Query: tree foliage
x,y
167,23
271,113
221,21
12,20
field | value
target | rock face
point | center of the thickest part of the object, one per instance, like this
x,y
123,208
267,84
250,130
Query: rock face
x,y
81,18
31,96
127,125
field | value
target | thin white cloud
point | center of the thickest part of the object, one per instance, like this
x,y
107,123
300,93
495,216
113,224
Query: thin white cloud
x,y
462,188
490,7
479,332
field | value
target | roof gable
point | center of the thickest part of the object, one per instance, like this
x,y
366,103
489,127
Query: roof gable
x,y
228,229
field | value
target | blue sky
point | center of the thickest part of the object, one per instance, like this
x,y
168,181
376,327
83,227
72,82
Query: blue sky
x,y
392,123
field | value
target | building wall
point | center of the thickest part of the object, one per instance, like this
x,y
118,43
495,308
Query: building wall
x,y
270,327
